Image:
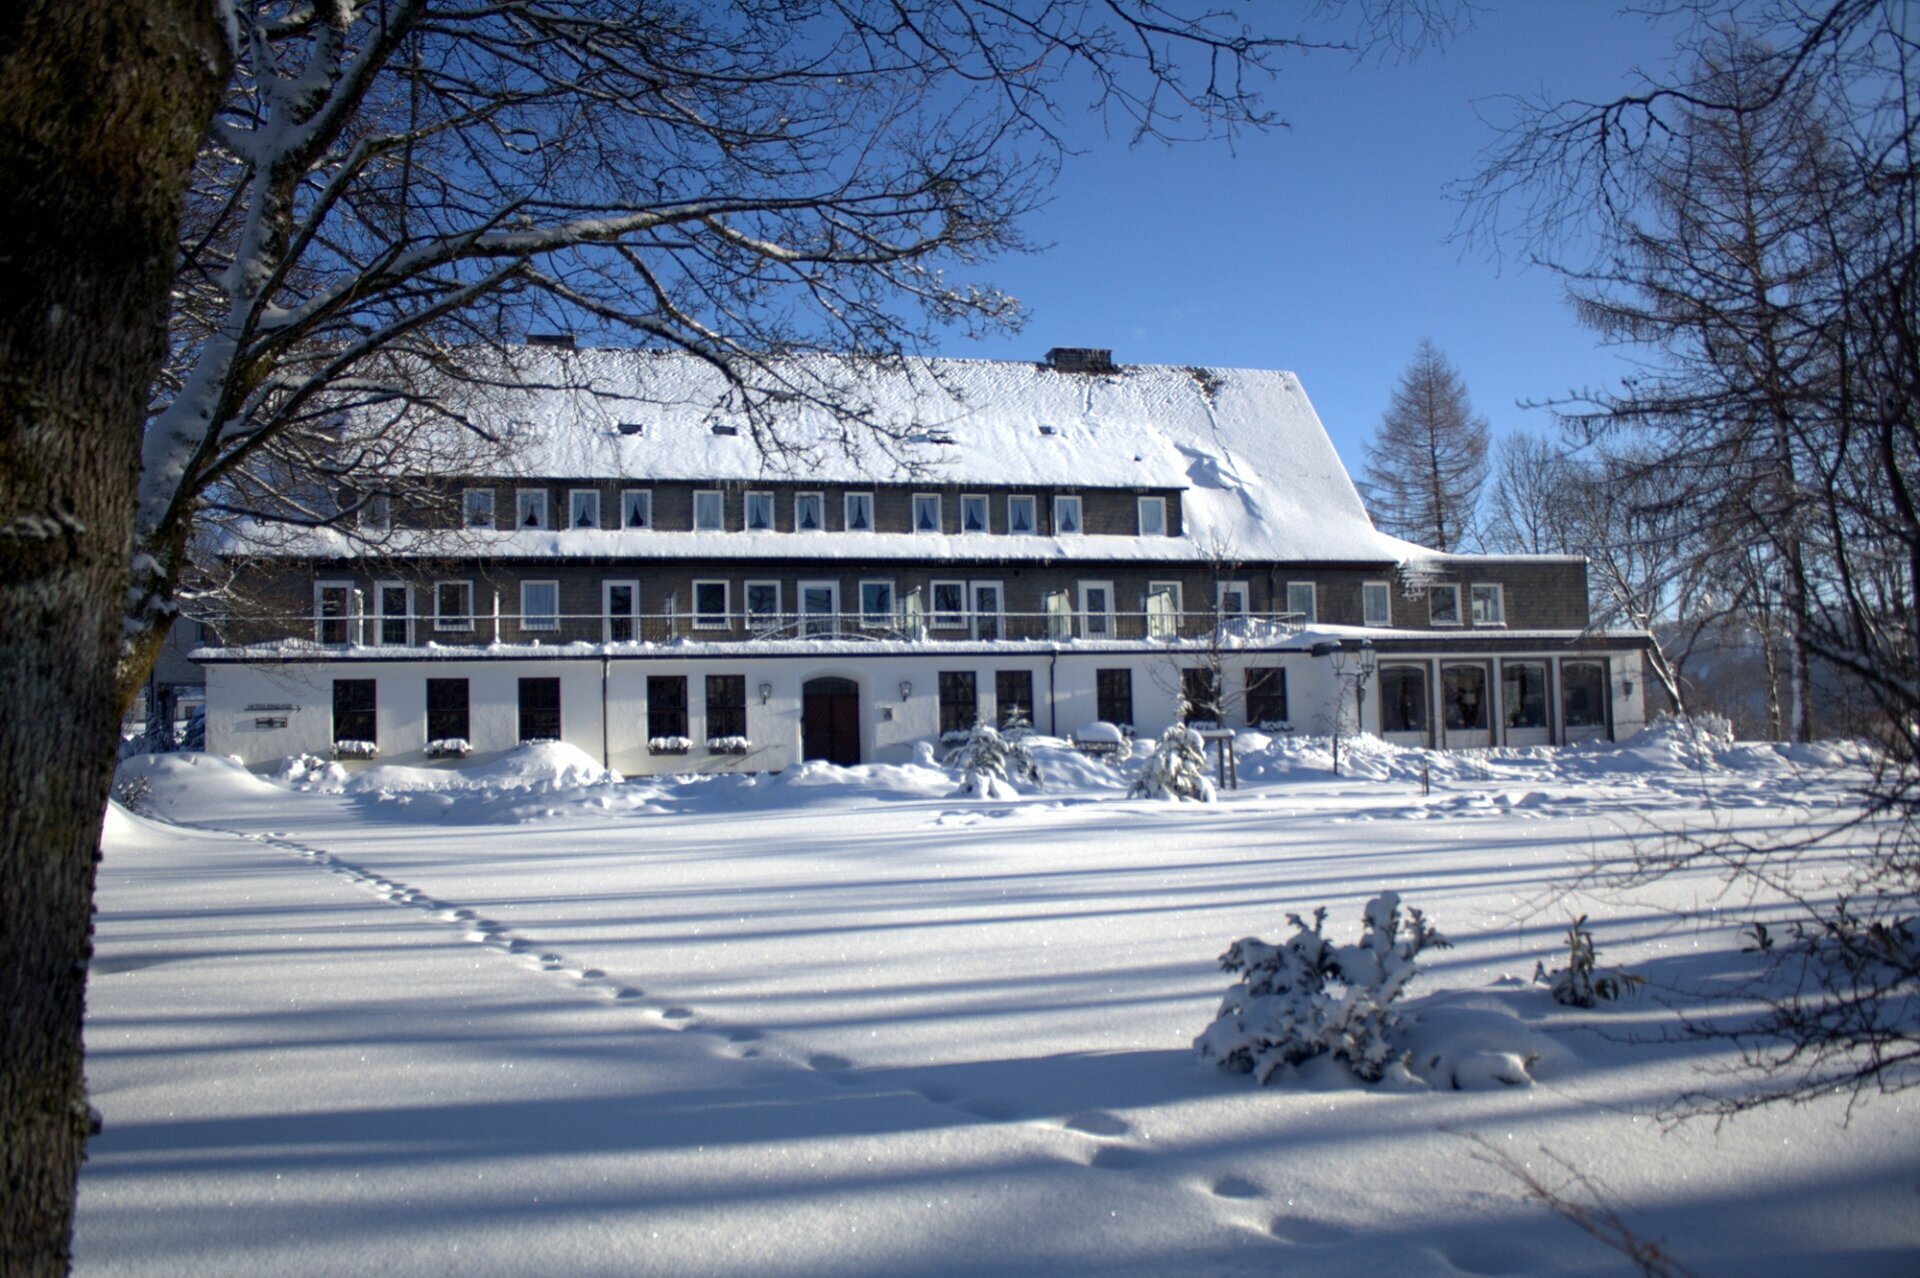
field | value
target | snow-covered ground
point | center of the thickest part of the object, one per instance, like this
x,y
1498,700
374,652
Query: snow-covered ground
x,y
534,1019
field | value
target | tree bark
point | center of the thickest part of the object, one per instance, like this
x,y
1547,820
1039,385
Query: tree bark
x,y
102,106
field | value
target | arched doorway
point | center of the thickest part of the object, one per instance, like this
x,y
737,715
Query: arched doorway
x,y
830,720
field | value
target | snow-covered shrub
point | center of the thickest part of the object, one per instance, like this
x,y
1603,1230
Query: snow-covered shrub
x,y
449,748
988,760
728,745
1310,997
955,736
1177,769
355,750
669,745
1583,982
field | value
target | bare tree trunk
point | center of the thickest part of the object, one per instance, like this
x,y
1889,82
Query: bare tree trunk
x,y
101,108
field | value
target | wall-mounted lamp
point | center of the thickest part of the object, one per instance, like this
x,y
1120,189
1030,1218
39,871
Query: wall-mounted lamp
x,y
766,692
1626,687
906,689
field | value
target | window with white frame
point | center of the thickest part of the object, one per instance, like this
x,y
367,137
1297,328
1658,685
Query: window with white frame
x,y
949,609
973,513
926,512
1376,603
1096,609
393,606
376,514
476,507
1230,599
583,508
859,512
334,609
453,605
759,513
636,508
1489,605
1153,516
1443,605
539,605
819,607
1066,516
1303,601
530,508
709,512
989,602
1163,609
876,604
809,512
620,606
1021,518
762,599
710,605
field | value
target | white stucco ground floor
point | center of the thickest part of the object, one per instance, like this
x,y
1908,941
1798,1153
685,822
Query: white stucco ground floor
x,y
761,707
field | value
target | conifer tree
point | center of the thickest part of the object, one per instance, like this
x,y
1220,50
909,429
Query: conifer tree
x,y
1426,466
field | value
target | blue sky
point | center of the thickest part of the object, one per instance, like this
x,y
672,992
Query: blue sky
x,y
1323,248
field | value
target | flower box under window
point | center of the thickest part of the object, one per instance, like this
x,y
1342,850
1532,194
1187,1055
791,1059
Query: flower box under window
x,y
728,745
355,750
449,748
669,745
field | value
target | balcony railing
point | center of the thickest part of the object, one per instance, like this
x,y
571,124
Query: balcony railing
x,y
332,630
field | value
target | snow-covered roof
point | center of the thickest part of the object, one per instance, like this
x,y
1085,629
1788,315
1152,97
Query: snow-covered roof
x,y
1259,477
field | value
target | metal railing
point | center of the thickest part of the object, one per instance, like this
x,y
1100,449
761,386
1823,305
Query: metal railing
x,y
331,630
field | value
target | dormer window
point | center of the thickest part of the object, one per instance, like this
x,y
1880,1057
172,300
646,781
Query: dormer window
x,y
636,508
926,512
530,508
1153,516
859,512
1021,519
759,512
1066,516
973,513
708,511
583,508
809,512
476,505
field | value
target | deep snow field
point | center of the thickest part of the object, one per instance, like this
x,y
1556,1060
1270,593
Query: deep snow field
x,y
527,1018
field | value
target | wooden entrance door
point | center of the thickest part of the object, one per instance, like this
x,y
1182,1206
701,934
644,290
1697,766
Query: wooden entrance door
x,y
830,721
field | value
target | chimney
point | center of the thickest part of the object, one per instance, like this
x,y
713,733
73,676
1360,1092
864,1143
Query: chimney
x,y
1080,359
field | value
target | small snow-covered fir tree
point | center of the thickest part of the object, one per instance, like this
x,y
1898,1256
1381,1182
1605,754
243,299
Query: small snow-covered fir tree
x,y
1310,997
1177,768
987,760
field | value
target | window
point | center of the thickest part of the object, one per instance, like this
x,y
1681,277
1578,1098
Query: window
x,y
1021,520
986,609
859,512
1096,609
530,508
354,717
1583,693
949,605
539,605
1443,605
710,605
763,603
620,608
539,709
1303,601
666,707
1489,605
1403,699
1200,695
453,605
476,507
1376,603
1230,597
876,604
583,508
1013,698
1523,693
726,706
973,513
809,512
333,611
759,512
447,710
1113,696
1266,696
1163,609
377,514
959,701
709,512
636,508
1463,697
819,607
1153,516
393,603
1066,516
926,512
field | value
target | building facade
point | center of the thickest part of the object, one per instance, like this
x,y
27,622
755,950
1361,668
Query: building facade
x,y
649,576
